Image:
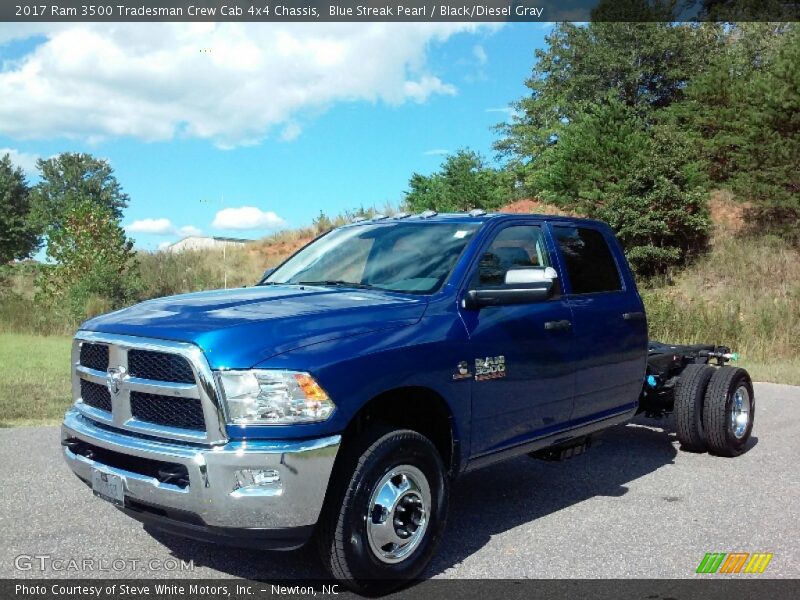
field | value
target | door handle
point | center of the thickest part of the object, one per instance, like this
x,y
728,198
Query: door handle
x,y
562,325
633,316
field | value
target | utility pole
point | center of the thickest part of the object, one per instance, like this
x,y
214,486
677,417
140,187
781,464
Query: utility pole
x,y
224,245
224,250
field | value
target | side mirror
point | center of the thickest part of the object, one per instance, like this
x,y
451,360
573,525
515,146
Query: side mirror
x,y
528,284
266,274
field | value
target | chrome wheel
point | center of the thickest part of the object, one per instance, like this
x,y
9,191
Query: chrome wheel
x,y
740,412
398,512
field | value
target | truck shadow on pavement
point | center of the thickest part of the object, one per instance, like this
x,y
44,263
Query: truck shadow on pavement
x,y
483,503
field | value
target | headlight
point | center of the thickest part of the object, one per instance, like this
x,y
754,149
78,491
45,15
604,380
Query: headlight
x,y
271,397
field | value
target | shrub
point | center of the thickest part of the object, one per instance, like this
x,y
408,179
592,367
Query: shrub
x,y
91,259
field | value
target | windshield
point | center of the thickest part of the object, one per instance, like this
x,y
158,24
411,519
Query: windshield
x,y
414,258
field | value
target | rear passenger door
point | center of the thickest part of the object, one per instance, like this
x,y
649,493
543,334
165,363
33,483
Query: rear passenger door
x,y
609,326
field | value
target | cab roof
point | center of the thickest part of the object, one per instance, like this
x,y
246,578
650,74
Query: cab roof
x,y
475,216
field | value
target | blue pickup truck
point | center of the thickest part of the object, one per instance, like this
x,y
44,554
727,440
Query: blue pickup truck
x,y
339,398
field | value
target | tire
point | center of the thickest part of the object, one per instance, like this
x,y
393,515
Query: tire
x,y
730,389
349,533
690,391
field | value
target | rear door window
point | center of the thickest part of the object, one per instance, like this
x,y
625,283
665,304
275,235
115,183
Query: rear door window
x,y
588,260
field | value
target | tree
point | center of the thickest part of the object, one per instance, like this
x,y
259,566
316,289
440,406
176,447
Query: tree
x,y
643,181
743,11
92,259
68,180
593,158
721,108
768,164
18,238
645,66
463,182
743,112
659,211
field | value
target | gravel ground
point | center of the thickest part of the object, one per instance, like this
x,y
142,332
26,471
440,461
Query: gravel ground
x,y
634,506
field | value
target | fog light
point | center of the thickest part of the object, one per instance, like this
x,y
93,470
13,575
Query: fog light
x,y
257,481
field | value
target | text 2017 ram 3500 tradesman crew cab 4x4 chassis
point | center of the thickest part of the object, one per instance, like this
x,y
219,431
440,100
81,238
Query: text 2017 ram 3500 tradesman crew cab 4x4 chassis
x,y
340,396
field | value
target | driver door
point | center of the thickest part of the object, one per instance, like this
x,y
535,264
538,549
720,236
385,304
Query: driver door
x,y
523,376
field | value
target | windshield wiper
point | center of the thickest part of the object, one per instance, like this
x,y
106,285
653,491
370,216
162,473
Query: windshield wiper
x,y
337,283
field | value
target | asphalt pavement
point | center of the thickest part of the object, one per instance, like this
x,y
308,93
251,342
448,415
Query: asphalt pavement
x,y
633,506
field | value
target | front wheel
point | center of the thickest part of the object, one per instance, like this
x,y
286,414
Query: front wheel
x,y
385,514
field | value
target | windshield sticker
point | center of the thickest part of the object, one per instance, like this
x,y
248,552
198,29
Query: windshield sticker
x,y
461,234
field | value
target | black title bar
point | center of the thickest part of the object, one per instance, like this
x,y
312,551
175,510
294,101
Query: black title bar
x,y
397,10
711,588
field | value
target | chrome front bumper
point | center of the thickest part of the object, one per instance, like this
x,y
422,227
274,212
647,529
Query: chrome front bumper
x,y
293,501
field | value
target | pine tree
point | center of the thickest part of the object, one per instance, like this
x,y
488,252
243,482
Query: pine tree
x,y
18,237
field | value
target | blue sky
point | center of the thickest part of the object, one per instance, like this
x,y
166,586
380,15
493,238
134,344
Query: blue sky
x,y
341,120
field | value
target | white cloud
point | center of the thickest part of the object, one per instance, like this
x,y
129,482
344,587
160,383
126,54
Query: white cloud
x,y
152,226
246,217
161,227
23,160
480,55
427,86
436,152
505,109
291,131
98,80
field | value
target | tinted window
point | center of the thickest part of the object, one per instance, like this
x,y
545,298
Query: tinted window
x,y
589,262
514,247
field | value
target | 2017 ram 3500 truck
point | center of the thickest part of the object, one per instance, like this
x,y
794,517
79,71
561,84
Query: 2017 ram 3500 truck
x,y
341,395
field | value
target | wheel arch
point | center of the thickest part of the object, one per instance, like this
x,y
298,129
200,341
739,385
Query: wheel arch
x,y
419,409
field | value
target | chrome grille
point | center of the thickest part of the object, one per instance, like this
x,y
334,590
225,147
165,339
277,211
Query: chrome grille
x,y
184,413
148,386
159,366
94,356
96,395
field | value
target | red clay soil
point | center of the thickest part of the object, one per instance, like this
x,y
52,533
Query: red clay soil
x,y
727,215
531,206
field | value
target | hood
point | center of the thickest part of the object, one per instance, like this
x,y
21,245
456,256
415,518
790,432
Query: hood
x,y
242,327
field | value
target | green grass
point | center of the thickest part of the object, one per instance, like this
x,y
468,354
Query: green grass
x,y
34,379
744,293
778,371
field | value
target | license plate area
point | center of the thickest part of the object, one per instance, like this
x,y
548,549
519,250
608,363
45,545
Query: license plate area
x,y
108,487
